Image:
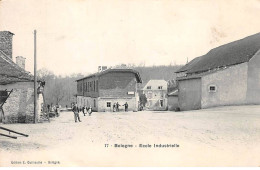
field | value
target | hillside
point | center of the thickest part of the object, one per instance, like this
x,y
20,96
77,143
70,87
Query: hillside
x,y
157,72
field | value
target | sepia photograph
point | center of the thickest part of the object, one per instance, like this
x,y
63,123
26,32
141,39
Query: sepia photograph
x,y
129,83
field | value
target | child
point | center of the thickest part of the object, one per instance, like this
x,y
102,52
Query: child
x,y
90,111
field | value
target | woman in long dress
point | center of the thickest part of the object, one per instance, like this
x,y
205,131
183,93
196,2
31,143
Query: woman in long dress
x,y
90,111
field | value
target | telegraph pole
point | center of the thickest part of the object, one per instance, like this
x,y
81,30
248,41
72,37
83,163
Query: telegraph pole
x,y
35,80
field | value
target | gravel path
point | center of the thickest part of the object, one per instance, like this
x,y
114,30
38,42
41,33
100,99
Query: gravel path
x,y
224,136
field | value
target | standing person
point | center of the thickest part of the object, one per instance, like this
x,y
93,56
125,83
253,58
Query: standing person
x,y
117,106
89,110
48,108
58,110
86,110
126,106
114,107
83,110
54,110
76,112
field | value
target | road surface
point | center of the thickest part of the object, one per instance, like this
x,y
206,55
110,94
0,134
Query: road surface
x,y
223,136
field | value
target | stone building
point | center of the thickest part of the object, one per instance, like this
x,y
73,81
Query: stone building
x,y
156,94
102,89
226,75
19,106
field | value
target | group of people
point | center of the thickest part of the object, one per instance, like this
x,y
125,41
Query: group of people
x,y
76,110
54,109
116,107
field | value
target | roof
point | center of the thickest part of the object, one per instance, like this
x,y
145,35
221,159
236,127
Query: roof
x,y
11,72
174,93
233,53
188,65
199,75
6,32
137,75
155,83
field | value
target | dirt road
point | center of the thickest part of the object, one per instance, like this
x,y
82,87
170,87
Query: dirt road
x,y
224,136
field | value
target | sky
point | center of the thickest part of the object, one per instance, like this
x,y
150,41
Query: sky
x,y
77,36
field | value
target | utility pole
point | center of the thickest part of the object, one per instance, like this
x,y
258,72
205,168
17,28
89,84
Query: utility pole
x,y
35,80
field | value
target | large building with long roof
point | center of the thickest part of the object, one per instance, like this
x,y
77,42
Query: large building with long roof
x,y
226,75
106,87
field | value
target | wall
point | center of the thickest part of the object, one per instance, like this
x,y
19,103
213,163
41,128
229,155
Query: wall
x,y
88,87
87,102
102,104
172,103
117,84
80,88
231,86
253,87
19,107
190,94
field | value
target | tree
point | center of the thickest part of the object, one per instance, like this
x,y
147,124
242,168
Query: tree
x,y
45,74
58,92
143,99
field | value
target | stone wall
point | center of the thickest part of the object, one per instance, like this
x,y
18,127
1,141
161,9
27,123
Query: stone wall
x,y
231,87
117,85
19,107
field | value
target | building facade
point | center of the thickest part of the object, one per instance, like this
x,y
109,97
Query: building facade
x,y
156,94
226,75
103,89
19,106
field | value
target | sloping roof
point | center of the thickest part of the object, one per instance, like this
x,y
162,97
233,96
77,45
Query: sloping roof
x,y
199,75
233,53
155,83
188,65
174,93
137,75
10,72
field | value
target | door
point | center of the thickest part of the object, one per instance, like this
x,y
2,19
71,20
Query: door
x,y
161,103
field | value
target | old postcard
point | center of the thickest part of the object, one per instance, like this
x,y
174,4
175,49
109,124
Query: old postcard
x,y
129,83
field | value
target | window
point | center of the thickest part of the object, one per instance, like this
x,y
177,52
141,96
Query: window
x,y
212,88
149,87
94,103
108,104
150,95
159,87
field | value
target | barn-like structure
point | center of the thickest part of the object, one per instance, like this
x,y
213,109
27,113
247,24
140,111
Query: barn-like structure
x,y
226,75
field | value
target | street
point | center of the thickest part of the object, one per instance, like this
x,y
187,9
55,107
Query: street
x,y
223,136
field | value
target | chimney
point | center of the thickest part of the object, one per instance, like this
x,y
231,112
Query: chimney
x,y
6,43
101,68
20,61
